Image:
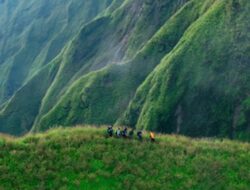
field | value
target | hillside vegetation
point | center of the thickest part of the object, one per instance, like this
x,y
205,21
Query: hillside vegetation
x,y
169,66
33,32
204,82
84,158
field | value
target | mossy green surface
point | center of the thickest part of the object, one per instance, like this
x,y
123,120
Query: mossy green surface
x,y
84,158
198,88
32,33
18,115
203,82
169,66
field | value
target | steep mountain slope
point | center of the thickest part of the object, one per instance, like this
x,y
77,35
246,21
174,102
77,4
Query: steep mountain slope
x,y
32,33
101,97
19,112
89,50
204,82
200,88
82,158
171,66
120,38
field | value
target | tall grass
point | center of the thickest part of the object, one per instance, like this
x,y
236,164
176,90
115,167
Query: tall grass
x,y
84,158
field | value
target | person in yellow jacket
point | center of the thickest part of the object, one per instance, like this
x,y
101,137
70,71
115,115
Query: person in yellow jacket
x,y
152,137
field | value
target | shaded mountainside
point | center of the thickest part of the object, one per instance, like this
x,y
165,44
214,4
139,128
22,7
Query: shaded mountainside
x,y
28,68
32,33
170,66
83,158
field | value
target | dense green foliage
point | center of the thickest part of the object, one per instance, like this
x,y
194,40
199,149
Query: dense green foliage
x,y
169,66
83,158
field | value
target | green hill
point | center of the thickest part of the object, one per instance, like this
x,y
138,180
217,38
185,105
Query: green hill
x,y
199,88
203,81
27,50
169,66
83,158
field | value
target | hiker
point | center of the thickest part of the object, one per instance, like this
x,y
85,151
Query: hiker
x,y
124,132
118,132
131,133
152,137
139,135
110,131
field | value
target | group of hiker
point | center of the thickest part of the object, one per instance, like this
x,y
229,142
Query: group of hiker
x,y
127,134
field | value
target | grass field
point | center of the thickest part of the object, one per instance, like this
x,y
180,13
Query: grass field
x,y
84,158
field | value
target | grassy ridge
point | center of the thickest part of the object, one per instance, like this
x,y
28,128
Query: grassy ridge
x,y
62,21
185,71
101,97
203,81
106,40
83,158
114,39
191,77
